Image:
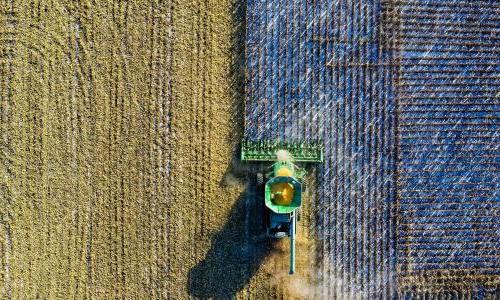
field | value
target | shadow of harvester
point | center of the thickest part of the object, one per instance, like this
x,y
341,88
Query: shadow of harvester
x,y
237,252
240,247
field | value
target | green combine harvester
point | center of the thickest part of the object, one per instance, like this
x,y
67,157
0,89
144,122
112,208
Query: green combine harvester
x,y
283,185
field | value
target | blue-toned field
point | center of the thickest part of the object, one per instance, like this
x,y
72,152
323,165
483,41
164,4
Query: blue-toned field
x,y
405,97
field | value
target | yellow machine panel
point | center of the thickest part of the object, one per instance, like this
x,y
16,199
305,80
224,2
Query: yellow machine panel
x,y
282,193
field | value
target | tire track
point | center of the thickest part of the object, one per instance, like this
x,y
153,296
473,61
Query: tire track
x,y
7,50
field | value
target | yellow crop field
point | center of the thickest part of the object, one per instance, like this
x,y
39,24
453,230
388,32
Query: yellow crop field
x,y
120,125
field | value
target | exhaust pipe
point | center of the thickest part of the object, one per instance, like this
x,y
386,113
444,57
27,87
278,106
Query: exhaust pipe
x,y
292,245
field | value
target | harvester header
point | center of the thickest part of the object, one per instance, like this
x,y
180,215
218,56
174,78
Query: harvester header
x,y
266,150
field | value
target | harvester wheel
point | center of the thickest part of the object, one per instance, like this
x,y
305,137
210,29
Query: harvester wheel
x,y
298,214
304,186
260,179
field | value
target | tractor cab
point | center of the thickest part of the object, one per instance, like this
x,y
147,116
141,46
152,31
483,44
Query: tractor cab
x,y
283,198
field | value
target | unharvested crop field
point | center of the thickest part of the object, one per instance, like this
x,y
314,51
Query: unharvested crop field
x,y
119,144
404,96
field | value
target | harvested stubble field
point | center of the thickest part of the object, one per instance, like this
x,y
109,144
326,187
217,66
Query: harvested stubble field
x,y
120,125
